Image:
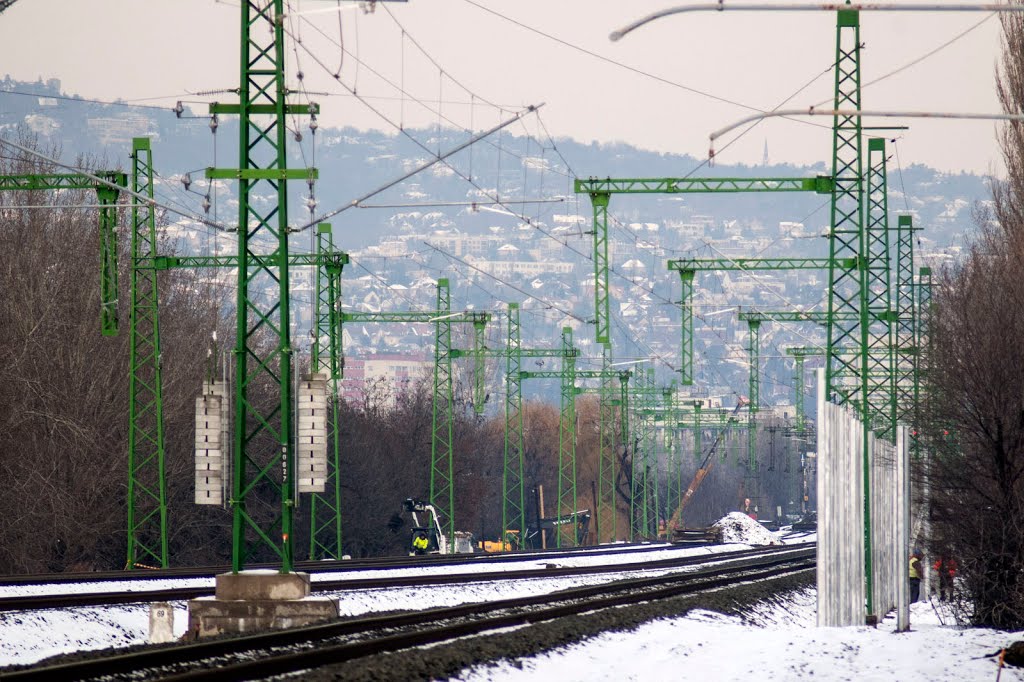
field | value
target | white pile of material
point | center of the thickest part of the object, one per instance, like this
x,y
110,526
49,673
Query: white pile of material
x,y
738,527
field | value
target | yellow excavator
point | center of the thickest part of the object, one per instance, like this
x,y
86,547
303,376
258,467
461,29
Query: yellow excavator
x,y
676,520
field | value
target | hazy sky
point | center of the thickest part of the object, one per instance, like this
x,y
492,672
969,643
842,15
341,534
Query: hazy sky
x,y
166,48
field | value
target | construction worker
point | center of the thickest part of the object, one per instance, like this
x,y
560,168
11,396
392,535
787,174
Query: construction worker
x,y
946,567
420,542
916,572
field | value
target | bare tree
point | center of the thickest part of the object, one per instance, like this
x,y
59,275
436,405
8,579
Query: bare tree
x,y
975,418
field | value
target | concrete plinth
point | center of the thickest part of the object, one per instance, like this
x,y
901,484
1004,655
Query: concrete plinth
x,y
251,601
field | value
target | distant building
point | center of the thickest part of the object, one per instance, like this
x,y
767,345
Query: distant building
x,y
385,376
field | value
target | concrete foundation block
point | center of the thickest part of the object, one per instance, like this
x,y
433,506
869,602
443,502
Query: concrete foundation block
x,y
268,585
212,616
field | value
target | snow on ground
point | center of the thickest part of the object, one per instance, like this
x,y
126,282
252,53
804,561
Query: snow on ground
x,y
30,636
772,643
738,527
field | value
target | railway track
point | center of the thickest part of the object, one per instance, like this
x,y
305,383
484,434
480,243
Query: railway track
x,y
331,565
272,653
34,602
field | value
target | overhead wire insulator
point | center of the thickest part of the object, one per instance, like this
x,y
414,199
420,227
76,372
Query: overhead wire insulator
x,y
206,204
179,109
214,122
187,181
313,125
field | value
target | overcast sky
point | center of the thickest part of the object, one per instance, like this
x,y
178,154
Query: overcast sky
x,y
166,48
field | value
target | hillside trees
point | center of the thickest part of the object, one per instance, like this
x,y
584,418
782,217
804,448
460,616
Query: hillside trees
x,y
976,407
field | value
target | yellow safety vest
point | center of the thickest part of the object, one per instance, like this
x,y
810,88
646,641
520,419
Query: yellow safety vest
x,y
913,571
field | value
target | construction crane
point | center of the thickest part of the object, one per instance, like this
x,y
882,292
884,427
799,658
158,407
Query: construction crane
x,y
702,472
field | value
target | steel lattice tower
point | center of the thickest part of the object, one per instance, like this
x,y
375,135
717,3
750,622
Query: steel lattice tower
x,y
325,508
879,292
147,486
844,374
263,498
513,494
907,352
442,488
567,499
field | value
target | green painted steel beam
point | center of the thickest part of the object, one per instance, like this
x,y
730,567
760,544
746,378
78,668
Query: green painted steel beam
x,y
602,300
147,479
328,259
907,390
749,264
413,316
278,174
815,316
58,181
265,109
644,502
819,185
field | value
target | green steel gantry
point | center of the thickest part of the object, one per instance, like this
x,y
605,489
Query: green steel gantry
x,y
607,518
611,397
689,267
696,419
600,191
442,441
643,512
567,497
799,354
513,491
107,196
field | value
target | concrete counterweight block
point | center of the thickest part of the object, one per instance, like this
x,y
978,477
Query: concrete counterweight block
x,y
209,453
311,440
251,601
